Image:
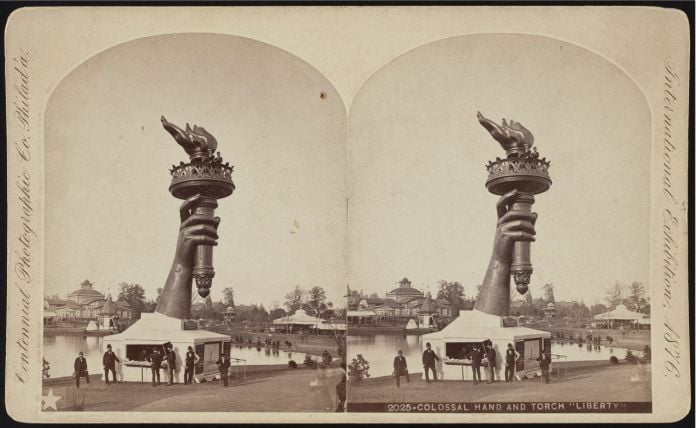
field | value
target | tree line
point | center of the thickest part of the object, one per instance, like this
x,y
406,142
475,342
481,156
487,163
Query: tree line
x,y
313,301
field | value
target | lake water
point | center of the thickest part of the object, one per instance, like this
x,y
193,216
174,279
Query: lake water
x,y
61,351
380,350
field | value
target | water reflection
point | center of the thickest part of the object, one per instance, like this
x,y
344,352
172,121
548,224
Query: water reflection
x,y
380,350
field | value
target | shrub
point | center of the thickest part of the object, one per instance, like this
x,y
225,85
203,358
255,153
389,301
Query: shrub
x,y
630,357
309,362
358,369
46,368
292,364
613,360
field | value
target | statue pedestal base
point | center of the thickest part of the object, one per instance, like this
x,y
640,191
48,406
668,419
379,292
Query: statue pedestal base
x,y
455,341
152,331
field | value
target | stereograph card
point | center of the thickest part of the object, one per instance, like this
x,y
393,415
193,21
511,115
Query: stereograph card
x,y
288,214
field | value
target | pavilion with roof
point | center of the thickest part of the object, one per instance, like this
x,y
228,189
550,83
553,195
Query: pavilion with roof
x,y
427,314
108,317
620,316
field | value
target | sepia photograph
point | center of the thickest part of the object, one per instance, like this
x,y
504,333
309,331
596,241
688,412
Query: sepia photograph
x,y
249,169
322,214
513,259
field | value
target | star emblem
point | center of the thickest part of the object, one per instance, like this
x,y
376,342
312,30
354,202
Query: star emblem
x,y
49,401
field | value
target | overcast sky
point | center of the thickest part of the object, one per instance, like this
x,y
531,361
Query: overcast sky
x,y
419,207
110,217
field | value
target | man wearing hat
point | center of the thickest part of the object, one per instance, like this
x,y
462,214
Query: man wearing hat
x,y
429,357
170,356
191,360
400,368
80,369
511,357
110,359
155,363
476,356
491,357
224,365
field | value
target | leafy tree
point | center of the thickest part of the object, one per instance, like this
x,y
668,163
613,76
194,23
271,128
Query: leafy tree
x,y
295,299
256,314
374,295
528,301
149,306
453,292
576,311
548,293
614,295
597,309
316,301
134,294
328,313
159,294
636,297
228,296
276,313
358,369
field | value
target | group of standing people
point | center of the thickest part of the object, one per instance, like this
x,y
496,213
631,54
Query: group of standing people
x,y
157,360
477,356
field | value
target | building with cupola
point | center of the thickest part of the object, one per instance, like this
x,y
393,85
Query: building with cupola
x,y
86,303
404,292
401,303
86,294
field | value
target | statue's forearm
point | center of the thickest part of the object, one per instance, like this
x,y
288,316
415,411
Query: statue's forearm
x,y
494,297
176,294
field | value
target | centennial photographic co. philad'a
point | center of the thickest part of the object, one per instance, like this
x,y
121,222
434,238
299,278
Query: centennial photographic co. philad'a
x,y
390,234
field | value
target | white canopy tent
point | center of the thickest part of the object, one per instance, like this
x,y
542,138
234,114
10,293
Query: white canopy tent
x,y
472,328
153,330
300,320
619,316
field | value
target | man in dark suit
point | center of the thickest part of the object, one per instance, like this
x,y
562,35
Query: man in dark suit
x,y
511,357
110,359
170,356
476,357
545,364
341,394
491,356
429,357
191,360
400,368
224,365
155,360
80,369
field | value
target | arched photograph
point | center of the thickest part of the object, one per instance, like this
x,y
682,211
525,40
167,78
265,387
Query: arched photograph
x,y
506,177
195,214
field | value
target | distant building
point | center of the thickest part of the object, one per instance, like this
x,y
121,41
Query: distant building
x,y
403,302
108,316
229,314
86,303
404,292
369,303
85,294
550,310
